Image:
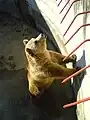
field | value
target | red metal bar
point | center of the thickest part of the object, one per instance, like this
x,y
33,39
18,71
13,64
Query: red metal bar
x,y
64,6
74,20
76,49
69,9
59,3
77,102
76,32
76,73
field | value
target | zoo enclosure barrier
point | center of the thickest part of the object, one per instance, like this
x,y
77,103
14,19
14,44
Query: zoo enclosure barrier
x,y
85,12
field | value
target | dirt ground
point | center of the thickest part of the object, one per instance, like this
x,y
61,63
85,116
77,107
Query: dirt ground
x,y
15,102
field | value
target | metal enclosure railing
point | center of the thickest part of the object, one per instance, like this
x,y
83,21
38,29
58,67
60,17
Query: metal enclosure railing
x,y
83,13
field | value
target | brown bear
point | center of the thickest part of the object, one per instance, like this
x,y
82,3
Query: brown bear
x,y
44,66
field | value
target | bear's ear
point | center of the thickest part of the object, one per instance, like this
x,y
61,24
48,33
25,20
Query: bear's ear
x,y
25,41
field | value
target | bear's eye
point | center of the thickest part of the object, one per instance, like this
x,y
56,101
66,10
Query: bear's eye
x,y
36,42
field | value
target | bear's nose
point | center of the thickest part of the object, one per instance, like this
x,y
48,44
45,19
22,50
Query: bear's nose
x,y
42,35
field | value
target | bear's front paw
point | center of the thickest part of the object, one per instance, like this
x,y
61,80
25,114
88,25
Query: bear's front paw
x,y
78,68
34,90
74,58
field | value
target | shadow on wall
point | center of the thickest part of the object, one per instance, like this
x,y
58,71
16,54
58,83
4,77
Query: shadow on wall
x,y
77,81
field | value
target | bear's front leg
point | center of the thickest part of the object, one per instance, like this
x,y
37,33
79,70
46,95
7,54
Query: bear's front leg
x,y
71,59
57,71
58,58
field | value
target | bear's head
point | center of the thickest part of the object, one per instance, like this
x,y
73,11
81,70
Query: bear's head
x,y
35,45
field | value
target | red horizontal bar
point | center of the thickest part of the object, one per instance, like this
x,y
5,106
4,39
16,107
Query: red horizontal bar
x,y
74,20
76,73
77,102
69,9
76,49
76,32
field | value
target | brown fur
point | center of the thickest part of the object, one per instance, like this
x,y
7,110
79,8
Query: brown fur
x,y
44,65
